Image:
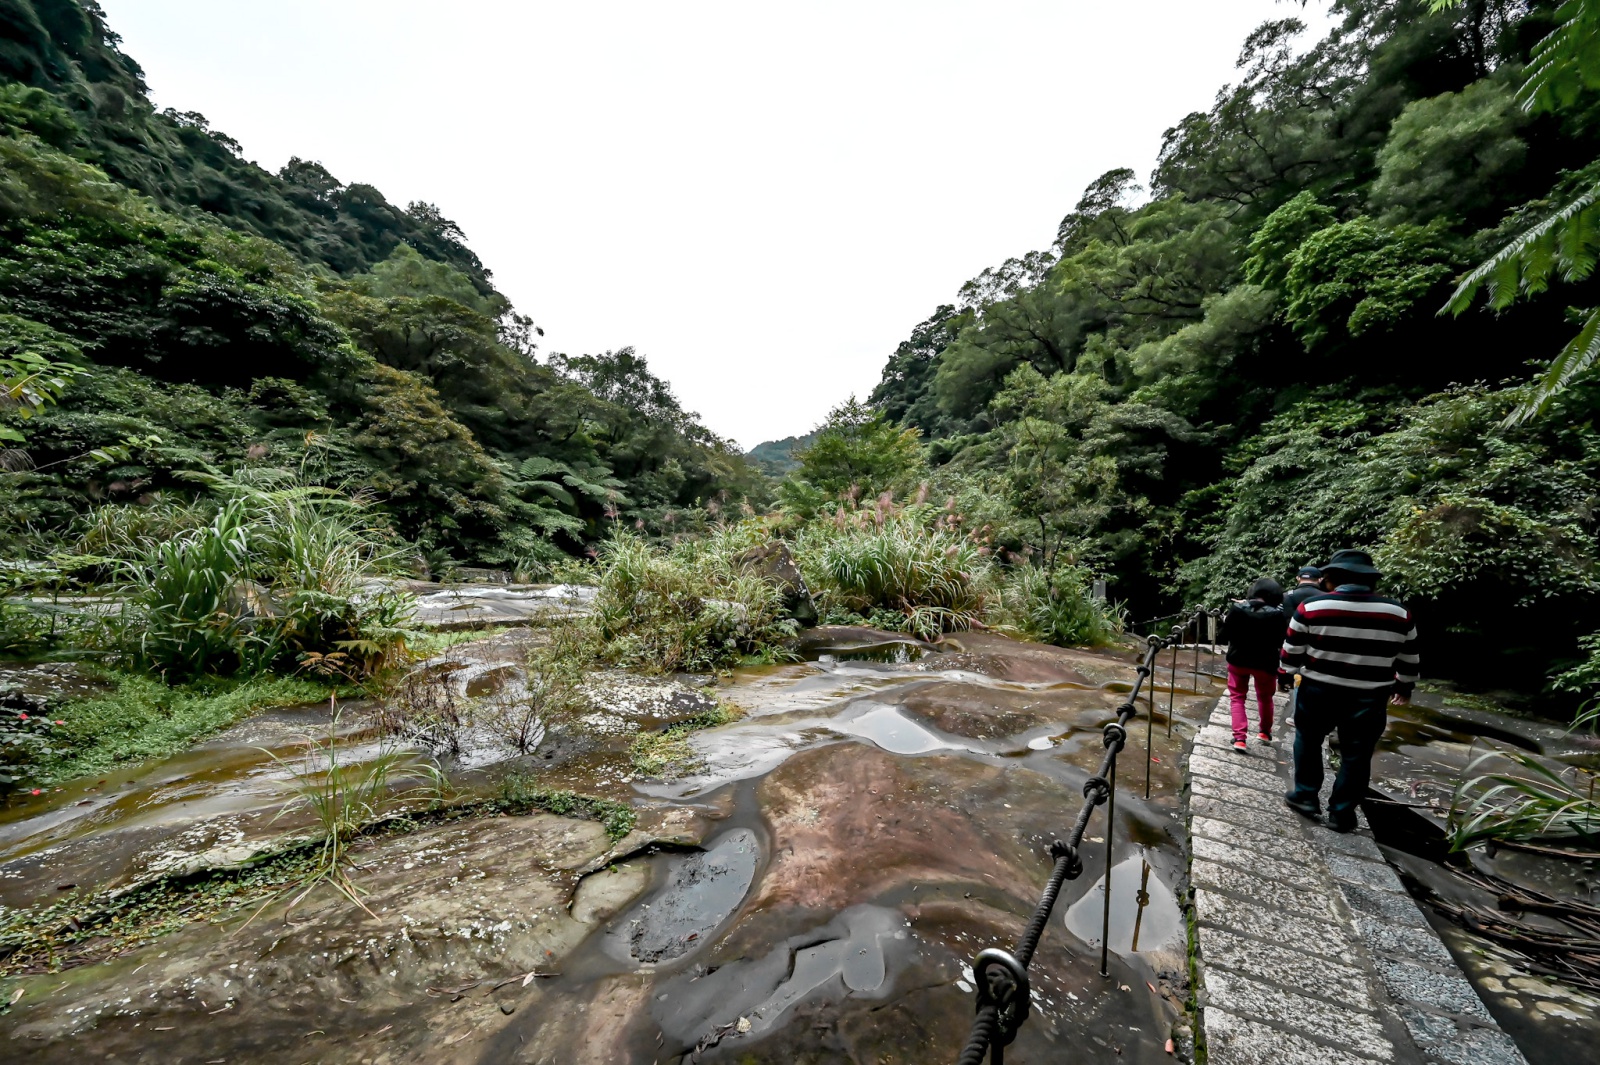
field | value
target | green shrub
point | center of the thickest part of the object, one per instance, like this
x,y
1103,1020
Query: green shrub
x,y
693,609
922,581
279,572
1056,607
27,745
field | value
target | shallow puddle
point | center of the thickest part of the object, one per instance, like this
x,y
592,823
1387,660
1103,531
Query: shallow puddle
x,y
812,889
1144,912
701,891
887,727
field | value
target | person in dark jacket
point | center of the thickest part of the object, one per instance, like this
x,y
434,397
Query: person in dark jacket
x,y
1253,629
1309,584
1356,651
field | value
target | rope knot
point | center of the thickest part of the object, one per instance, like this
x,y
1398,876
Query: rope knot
x,y
1002,983
1114,735
1060,850
1097,790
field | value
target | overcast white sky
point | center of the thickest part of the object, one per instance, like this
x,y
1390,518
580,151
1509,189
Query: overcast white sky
x,y
763,198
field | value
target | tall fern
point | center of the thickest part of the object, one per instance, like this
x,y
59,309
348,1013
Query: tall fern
x,y
1563,246
1563,64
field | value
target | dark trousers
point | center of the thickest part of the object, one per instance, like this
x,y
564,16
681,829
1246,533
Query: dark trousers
x,y
1359,717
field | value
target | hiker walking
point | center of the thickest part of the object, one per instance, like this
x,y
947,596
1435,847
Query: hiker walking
x,y
1308,584
1356,652
1253,629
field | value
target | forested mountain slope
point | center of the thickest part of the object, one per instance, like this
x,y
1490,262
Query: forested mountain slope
x,y
228,316
1244,366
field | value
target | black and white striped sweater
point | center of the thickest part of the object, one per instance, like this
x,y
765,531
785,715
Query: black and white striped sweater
x,y
1353,640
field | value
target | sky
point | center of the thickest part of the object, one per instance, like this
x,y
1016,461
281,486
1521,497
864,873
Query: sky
x,y
762,198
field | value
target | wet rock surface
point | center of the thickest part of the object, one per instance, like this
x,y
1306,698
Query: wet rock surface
x,y
481,606
1429,746
813,888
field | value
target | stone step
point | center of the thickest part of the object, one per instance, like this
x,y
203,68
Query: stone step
x,y
1308,948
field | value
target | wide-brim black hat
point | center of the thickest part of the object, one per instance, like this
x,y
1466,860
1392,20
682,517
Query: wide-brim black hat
x,y
1355,562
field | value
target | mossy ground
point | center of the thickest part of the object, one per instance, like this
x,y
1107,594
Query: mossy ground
x,y
143,717
655,753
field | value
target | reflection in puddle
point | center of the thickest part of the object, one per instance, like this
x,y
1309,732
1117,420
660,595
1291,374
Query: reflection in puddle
x,y
887,727
700,893
854,955
896,653
1144,912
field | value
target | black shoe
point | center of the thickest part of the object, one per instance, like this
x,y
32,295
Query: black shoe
x,y
1304,807
1342,824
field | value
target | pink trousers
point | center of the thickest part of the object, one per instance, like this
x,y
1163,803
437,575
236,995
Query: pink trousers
x,y
1238,683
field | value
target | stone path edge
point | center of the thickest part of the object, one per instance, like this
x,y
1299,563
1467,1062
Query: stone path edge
x,y
1317,954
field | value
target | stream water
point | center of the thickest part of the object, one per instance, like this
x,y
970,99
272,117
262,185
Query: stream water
x,y
812,888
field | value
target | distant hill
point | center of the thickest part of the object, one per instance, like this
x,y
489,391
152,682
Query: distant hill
x,y
775,458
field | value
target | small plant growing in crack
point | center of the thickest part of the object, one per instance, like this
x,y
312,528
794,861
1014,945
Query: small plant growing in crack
x,y
345,794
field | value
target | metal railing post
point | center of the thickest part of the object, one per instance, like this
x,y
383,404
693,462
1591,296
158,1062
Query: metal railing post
x,y
1002,977
1105,916
1172,681
1197,620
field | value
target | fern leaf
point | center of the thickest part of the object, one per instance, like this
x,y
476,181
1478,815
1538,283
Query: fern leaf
x,y
1579,355
555,491
1535,254
539,466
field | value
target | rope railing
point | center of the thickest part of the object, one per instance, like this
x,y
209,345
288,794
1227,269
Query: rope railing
x,y
1002,976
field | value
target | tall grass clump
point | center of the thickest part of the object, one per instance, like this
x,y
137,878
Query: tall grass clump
x,y
692,608
271,570
1055,606
898,574
1512,795
346,794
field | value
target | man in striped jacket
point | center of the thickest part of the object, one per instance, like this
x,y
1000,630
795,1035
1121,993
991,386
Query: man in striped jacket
x,y
1356,652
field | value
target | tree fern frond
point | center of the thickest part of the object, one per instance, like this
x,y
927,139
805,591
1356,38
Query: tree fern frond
x,y
556,492
1535,254
550,521
539,466
1565,61
1578,356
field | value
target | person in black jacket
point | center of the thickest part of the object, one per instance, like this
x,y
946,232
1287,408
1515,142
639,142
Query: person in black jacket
x,y
1356,652
1311,584
1254,630
1310,578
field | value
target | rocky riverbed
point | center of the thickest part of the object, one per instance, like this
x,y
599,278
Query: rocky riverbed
x,y
810,885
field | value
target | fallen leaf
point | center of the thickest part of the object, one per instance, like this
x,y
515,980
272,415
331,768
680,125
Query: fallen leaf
x,y
16,996
526,980
1152,987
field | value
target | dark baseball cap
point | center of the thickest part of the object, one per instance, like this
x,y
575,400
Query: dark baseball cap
x,y
1310,573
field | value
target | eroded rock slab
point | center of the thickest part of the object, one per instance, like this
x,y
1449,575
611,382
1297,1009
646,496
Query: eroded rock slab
x,y
454,909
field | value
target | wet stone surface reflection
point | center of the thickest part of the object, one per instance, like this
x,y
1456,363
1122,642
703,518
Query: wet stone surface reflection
x,y
812,888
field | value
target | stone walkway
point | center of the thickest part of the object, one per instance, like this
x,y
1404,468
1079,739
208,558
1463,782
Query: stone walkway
x,y
1310,951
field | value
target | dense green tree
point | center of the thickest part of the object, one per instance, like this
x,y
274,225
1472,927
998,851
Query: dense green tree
x,y
858,455
1247,370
